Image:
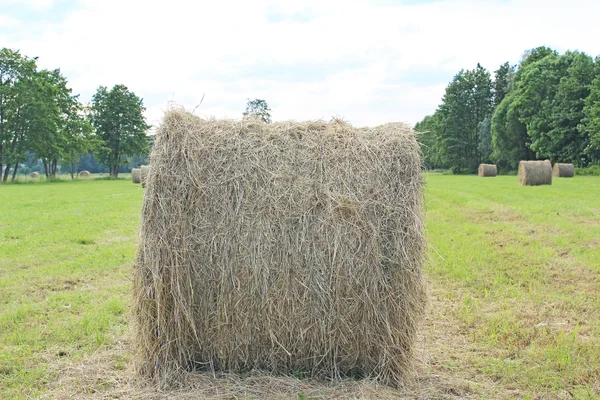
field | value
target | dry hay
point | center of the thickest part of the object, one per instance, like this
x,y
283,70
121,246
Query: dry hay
x,y
136,175
85,174
286,247
34,175
144,173
563,170
533,173
488,170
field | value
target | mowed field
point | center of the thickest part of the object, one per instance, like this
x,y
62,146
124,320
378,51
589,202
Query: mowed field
x,y
513,276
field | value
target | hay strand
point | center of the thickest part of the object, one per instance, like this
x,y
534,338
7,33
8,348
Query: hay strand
x,y
144,173
283,247
136,175
486,170
563,170
533,173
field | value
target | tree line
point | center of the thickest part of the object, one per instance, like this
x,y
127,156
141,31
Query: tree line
x,y
545,107
40,117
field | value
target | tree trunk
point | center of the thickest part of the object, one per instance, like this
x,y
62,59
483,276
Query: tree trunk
x,y
6,172
45,162
15,171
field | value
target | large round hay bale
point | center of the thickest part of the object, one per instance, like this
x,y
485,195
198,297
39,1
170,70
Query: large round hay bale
x,y
136,175
533,173
84,174
487,170
34,175
563,170
144,173
282,247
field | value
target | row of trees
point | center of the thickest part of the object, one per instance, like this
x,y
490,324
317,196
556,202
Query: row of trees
x,y
546,107
40,115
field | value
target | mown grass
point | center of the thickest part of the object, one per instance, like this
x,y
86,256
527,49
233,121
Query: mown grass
x,y
64,275
514,275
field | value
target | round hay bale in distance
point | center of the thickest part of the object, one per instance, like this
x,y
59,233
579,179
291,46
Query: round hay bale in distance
x,y
144,174
280,247
486,170
136,175
534,173
563,170
84,174
34,175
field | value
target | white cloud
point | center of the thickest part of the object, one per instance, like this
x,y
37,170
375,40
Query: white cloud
x,y
181,50
36,5
7,22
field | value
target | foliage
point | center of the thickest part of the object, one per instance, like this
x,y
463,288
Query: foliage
x,y
590,123
17,89
484,136
503,77
548,108
258,108
428,130
467,101
117,116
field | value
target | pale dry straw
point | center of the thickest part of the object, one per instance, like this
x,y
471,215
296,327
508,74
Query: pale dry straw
x,y
563,170
144,169
136,175
294,248
533,173
486,170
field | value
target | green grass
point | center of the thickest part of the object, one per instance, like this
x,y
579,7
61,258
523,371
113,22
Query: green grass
x,y
514,275
64,275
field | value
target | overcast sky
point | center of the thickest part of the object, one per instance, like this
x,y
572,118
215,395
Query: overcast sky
x,y
369,62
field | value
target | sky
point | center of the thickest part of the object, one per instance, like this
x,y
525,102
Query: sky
x,y
369,62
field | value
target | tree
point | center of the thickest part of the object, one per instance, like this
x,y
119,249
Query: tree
x,y
502,82
117,116
78,138
16,75
536,54
467,101
590,123
258,109
428,139
52,112
484,135
567,142
510,142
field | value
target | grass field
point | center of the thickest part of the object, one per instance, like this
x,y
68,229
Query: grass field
x,y
513,275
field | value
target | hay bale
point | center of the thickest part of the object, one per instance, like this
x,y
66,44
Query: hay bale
x,y
136,175
487,170
34,175
282,247
533,173
144,173
85,174
563,170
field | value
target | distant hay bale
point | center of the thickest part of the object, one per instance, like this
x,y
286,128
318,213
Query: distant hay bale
x,y
487,170
282,247
563,170
136,175
34,175
144,173
533,173
85,174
